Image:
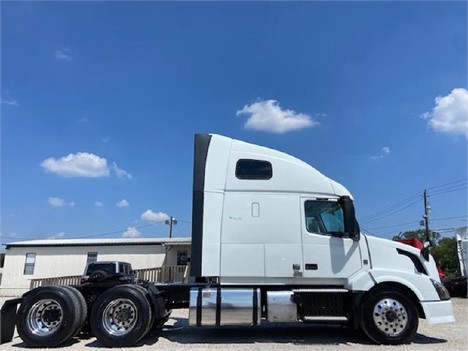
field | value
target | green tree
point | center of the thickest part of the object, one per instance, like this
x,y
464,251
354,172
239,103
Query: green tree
x,y
445,253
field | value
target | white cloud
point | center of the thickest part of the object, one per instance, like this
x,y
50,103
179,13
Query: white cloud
x,y
13,103
63,54
57,236
131,232
268,116
151,216
122,203
450,113
81,164
99,204
58,202
384,152
119,172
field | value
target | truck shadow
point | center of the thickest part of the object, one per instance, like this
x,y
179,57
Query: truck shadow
x,y
423,339
146,341
296,333
23,345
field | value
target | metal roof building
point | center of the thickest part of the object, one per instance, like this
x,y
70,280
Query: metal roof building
x,y
100,242
39,259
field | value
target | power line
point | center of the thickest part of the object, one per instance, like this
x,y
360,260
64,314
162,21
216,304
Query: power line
x,y
392,212
187,222
446,184
400,203
415,222
116,231
395,225
449,190
456,185
120,231
446,218
83,236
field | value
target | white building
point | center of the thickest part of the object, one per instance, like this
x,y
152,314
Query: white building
x,y
38,259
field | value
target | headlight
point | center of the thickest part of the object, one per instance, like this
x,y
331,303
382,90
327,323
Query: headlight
x,y
441,290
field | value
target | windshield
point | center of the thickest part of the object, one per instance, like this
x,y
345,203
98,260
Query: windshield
x,y
324,217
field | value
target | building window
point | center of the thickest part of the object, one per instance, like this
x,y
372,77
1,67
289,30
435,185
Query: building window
x,y
182,258
92,258
29,263
253,169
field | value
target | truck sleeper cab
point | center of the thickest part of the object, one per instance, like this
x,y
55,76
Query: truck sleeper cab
x,y
273,240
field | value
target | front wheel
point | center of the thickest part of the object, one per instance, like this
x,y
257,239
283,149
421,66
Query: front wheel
x,y
389,317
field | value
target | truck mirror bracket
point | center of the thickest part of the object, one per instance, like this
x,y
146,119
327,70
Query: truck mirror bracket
x,y
351,225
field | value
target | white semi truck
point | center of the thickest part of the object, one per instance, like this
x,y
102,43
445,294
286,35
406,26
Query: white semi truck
x,y
273,240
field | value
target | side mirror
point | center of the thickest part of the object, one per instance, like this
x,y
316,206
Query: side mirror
x,y
426,250
350,223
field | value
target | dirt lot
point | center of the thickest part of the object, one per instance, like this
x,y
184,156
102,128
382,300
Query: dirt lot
x,y
179,336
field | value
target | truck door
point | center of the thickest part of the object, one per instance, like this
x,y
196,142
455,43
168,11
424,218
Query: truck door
x,y
327,251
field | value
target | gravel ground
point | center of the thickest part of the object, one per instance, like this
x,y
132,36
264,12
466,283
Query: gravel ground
x,y
177,335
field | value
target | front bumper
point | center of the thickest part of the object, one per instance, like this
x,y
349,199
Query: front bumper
x,y
438,311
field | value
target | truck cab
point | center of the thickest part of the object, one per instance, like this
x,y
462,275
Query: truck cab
x,y
264,220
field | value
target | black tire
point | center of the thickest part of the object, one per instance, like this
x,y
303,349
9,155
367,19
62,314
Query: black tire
x,y
152,307
83,308
47,317
120,317
389,317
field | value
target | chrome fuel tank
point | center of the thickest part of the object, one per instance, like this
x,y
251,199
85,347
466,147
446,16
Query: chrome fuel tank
x,y
224,306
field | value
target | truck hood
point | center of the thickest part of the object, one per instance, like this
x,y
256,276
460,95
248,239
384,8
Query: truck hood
x,y
386,253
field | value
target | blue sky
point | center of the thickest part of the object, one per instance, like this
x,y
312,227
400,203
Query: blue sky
x,y
100,102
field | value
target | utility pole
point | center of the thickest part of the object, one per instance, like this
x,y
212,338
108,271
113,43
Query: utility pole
x,y
427,209
171,221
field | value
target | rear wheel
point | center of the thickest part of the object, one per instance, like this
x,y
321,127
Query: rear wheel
x,y
47,317
152,311
389,317
121,316
83,308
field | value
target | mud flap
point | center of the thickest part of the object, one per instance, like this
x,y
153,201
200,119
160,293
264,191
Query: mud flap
x,y
8,317
157,300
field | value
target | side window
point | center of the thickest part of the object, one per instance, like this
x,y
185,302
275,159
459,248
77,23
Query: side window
x,y
253,169
182,258
29,264
324,217
92,258
124,268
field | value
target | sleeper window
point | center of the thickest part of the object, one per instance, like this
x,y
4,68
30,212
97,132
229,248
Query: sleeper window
x,y
253,169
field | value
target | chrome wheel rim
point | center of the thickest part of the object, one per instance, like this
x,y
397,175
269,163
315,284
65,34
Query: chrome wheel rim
x,y
45,317
119,317
390,317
